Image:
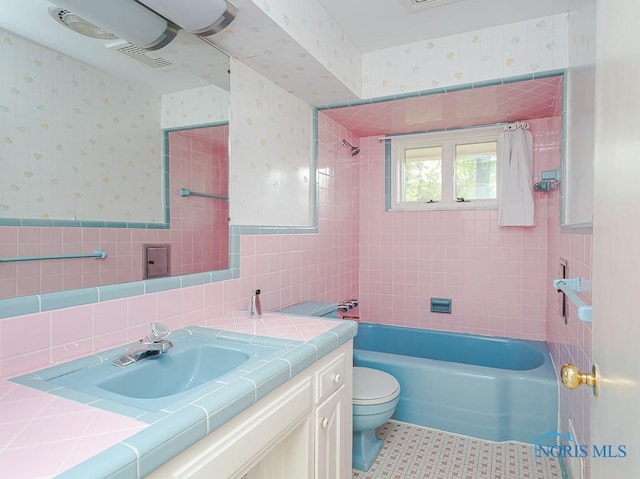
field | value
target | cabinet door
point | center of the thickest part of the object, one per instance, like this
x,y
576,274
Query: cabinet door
x,y
243,442
331,433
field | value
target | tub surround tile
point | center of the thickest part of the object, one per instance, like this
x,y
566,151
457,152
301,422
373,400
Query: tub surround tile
x,y
497,277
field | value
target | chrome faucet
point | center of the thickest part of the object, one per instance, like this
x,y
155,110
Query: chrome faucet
x,y
152,345
255,309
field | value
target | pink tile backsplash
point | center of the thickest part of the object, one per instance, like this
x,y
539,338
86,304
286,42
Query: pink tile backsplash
x,y
71,324
24,334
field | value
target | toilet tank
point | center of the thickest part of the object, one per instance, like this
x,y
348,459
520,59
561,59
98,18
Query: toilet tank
x,y
313,308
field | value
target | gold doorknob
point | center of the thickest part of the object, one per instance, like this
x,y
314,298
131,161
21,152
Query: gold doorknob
x,y
572,377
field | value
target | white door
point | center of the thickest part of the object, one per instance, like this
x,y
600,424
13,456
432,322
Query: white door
x,y
616,240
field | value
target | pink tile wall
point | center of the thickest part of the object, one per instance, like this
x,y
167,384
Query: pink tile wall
x,y
199,226
123,264
496,277
570,343
288,269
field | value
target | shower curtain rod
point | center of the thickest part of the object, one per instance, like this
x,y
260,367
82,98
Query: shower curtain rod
x,y
511,125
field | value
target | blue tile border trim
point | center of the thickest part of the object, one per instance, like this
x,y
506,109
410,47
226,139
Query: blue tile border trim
x,y
314,170
387,175
79,224
435,91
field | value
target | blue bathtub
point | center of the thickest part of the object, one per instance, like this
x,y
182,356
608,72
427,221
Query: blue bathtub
x,y
491,388
481,386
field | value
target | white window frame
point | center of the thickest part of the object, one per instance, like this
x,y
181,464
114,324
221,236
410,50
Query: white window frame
x,y
448,141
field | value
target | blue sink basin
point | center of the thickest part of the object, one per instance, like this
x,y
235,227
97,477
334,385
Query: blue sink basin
x,y
168,374
154,382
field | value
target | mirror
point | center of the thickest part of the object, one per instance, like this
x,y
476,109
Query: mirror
x,y
199,198
81,152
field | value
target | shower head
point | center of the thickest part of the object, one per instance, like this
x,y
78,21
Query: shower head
x,y
354,149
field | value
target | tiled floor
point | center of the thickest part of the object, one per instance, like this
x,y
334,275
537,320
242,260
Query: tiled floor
x,y
415,452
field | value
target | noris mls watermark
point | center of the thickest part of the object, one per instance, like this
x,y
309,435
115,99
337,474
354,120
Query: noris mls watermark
x,y
554,444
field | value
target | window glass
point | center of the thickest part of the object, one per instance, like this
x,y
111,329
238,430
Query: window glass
x,y
475,171
423,174
445,170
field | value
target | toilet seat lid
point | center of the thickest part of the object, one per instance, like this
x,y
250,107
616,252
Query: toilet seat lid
x,y
372,386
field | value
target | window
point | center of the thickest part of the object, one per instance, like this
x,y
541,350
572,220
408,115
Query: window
x,y
423,174
447,170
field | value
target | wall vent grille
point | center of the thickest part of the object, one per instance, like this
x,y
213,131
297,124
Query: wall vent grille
x,y
413,6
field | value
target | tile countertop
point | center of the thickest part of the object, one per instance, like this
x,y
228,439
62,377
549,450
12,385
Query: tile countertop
x,y
44,435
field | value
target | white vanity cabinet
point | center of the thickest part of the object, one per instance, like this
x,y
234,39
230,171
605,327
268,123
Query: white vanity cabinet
x,y
300,430
331,433
333,421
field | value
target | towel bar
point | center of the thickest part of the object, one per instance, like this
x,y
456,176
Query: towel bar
x,y
97,254
571,287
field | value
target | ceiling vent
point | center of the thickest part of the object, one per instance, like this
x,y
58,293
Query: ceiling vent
x,y
413,6
144,56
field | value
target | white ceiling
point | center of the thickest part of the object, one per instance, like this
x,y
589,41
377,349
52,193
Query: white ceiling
x,y
371,25
377,24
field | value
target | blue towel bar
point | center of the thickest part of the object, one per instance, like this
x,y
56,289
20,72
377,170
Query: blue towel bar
x,y
97,254
188,192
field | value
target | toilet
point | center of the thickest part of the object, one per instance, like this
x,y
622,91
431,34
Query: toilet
x,y
375,397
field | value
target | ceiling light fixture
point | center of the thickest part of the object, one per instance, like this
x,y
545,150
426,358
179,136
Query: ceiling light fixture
x,y
126,19
79,25
202,17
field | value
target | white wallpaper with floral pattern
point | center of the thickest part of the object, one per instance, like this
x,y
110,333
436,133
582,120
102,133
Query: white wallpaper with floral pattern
x,y
75,142
314,29
298,46
294,49
197,106
504,51
270,138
